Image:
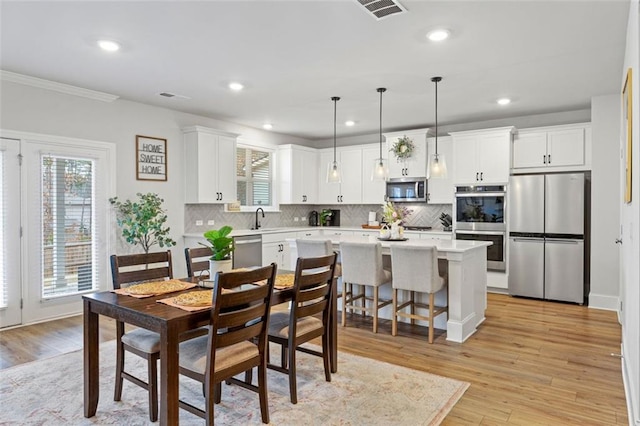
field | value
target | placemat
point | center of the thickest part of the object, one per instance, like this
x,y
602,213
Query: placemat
x,y
185,286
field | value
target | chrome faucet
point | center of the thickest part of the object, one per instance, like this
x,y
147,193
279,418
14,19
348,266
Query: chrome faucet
x,y
259,209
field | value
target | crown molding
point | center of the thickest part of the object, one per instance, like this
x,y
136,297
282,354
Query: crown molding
x,y
58,87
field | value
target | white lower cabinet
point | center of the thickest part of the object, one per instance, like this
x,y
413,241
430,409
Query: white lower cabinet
x,y
436,236
275,249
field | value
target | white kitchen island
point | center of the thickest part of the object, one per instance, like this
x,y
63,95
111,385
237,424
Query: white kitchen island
x,y
467,288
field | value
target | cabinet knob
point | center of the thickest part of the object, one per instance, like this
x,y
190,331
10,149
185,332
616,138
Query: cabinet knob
x,y
618,240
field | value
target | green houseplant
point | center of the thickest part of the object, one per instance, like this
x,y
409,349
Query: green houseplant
x,y
143,221
221,246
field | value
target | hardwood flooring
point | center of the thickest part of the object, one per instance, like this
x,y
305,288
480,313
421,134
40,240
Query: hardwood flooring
x,y
530,362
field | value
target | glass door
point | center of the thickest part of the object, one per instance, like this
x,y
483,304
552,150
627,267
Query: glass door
x,y
10,259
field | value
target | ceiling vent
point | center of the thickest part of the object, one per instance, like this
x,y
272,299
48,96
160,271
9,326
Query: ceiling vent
x,y
173,95
381,9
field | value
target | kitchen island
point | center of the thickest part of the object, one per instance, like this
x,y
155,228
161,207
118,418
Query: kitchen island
x,y
467,287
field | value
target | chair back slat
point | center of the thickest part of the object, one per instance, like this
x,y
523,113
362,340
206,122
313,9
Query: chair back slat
x,y
197,260
241,316
132,268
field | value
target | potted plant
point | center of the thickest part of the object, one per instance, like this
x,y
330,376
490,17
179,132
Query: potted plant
x,y
143,221
221,246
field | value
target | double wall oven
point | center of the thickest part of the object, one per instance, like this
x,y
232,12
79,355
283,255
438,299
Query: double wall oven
x,y
480,216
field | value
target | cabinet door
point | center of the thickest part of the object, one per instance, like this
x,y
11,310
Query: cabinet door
x,y
493,158
529,150
310,176
464,160
441,190
396,167
271,252
417,164
328,193
297,174
351,186
226,167
565,147
372,191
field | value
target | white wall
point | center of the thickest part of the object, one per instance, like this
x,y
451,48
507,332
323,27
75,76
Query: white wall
x,y
630,221
605,202
31,109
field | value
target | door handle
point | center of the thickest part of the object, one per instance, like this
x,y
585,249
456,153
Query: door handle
x,y
544,159
619,241
477,176
549,159
481,173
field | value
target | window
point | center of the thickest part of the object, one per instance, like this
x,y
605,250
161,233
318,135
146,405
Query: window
x,y
68,242
254,176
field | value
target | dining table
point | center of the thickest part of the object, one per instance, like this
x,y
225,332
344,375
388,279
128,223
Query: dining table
x,y
168,321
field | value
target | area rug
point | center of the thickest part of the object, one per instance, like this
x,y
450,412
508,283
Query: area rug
x,y
364,391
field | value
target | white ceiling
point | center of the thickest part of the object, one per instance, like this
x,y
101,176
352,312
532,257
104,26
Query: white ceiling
x,y
292,56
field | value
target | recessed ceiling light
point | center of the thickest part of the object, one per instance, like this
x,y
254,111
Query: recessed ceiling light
x,y
438,34
236,87
350,123
504,101
108,45
267,126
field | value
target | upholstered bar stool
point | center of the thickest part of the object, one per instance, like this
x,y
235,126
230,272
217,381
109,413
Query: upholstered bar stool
x,y
362,265
406,260
316,248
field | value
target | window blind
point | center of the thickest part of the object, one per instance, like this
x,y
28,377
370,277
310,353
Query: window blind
x,y
254,176
68,225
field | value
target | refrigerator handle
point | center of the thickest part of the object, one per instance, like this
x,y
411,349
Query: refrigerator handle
x,y
551,240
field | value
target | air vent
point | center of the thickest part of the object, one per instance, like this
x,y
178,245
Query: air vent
x,y
173,95
381,9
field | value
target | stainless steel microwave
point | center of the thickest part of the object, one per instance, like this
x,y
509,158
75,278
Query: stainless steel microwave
x,y
407,190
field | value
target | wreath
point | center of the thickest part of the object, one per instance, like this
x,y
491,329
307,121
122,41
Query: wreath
x,y
403,148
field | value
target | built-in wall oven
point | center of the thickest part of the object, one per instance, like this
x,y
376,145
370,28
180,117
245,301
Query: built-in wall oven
x,y
480,216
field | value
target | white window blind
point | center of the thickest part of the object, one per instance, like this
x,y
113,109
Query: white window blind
x,y
68,225
254,176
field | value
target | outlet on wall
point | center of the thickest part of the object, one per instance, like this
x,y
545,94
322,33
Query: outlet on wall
x,y
211,222
295,219
199,223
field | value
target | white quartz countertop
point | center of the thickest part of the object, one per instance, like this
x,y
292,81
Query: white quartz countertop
x,y
243,232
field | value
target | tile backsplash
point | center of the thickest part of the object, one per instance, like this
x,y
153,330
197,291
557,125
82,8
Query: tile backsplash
x,y
350,215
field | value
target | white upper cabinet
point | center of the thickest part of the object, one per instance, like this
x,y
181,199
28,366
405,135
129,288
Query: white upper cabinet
x,y
414,166
210,165
349,191
372,191
440,190
297,174
482,156
557,147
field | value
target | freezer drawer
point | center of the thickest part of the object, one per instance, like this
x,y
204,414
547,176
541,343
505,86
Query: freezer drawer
x,y
564,270
526,267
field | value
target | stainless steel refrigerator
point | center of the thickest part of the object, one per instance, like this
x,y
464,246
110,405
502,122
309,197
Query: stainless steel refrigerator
x,y
547,227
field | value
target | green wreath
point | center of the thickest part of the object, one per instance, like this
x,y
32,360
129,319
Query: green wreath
x,y
403,148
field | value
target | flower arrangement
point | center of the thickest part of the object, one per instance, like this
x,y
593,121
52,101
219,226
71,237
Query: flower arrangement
x,y
403,148
393,214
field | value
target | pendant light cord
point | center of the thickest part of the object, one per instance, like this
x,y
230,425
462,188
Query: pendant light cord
x,y
335,100
381,90
436,80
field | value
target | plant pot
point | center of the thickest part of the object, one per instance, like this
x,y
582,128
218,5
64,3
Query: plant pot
x,y
216,266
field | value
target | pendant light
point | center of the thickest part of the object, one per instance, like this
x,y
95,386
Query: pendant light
x,y
437,164
380,171
334,174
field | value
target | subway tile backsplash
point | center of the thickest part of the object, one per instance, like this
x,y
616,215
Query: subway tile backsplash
x,y
350,215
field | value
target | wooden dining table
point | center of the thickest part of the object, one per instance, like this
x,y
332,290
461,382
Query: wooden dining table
x,y
167,321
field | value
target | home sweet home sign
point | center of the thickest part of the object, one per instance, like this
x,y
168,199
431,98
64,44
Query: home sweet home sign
x,y
151,158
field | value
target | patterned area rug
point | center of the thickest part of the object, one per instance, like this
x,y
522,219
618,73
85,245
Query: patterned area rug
x,y
364,391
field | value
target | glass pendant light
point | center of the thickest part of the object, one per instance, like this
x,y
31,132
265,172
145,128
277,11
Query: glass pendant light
x,y
380,171
437,164
334,173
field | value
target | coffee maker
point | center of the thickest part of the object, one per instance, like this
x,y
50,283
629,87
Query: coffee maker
x,y
332,217
314,218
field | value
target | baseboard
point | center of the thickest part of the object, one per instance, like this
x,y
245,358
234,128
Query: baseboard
x,y
633,412
603,301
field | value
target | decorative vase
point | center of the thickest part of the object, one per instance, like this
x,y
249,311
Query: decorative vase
x,y
385,234
216,266
395,231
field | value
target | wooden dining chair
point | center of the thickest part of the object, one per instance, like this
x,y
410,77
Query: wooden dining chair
x,y
129,269
405,260
307,319
198,261
237,338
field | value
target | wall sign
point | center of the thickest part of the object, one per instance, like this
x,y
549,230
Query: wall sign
x,y
151,158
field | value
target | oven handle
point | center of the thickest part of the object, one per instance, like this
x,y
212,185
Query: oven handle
x,y
480,194
482,232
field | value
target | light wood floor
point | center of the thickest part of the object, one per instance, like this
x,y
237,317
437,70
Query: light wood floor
x,y
530,363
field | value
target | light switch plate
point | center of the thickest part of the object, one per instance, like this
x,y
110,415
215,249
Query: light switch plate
x,y
199,223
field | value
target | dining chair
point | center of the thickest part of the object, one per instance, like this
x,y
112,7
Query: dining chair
x,y
197,261
237,339
406,260
320,247
307,319
362,265
131,269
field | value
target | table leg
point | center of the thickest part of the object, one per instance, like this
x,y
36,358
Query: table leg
x,y
169,380
333,327
91,361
